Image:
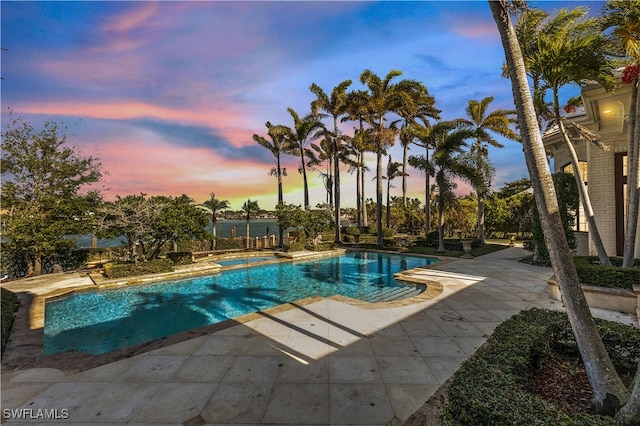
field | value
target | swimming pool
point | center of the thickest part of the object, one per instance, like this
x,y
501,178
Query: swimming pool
x,y
245,260
105,320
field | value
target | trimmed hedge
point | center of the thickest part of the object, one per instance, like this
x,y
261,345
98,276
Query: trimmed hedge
x,y
9,308
490,387
120,270
180,257
592,273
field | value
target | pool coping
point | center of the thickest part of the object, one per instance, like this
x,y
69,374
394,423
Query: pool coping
x,y
26,345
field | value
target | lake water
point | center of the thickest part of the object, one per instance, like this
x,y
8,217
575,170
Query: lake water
x,y
257,228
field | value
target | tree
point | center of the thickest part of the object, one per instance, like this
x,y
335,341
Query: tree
x,y
424,137
304,131
572,50
393,171
384,97
416,113
312,222
568,199
623,17
132,216
609,392
449,162
483,124
249,208
178,220
280,144
357,110
43,181
213,206
335,106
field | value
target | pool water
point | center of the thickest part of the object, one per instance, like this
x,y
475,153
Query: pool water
x,y
105,320
245,260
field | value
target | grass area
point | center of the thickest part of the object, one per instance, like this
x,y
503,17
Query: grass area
x,y
9,308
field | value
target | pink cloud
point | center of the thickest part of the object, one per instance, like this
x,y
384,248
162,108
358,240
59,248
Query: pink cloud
x,y
132,18
228,122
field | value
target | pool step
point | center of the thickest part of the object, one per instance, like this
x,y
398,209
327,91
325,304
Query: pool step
x,y
389,294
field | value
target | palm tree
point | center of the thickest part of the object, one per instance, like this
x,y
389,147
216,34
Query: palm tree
x,y
249,208
426,138
605,383
280,144
335,106
483,123
304,131
572,50
357,110
414,114
449,161
213,206
393,171
624,17
384,97
320,153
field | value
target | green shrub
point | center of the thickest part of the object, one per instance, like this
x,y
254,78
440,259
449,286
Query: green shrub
x,y
387,232
9,308
351,230
369,230
180,257
297,246
324,246
592,273
490,387
120,270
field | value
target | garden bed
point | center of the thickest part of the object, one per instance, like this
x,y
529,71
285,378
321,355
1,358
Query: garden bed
x,y
508,379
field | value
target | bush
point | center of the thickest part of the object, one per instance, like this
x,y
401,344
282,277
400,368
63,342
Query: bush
x,y
297,246
9,308
591,272
490,387
120,270
180,257
351,230
369,230
387,232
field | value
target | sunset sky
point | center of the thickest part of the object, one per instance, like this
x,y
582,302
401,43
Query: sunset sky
x,y
168,94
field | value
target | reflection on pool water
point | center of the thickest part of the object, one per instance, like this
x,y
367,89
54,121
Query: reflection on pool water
x,y
105,320
244,260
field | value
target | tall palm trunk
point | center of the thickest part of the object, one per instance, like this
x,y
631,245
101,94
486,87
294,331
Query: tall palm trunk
x,y
304,178
427,196
336,178
388,218
214,221
441,207
380,244
481,219
365,216
280,200
358,194
405,150
633,179
248,235
606,385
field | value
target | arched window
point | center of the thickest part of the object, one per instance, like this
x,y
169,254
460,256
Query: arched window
x,y
581,218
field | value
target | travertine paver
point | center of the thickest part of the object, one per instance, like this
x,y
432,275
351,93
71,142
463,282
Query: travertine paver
x,y
327,362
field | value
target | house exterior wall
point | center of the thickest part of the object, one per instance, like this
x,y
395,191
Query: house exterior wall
x,y
602,195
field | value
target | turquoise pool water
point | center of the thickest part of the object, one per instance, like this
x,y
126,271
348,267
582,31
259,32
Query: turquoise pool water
x,y
245,260
105,320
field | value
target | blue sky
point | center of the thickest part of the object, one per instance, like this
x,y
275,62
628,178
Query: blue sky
x,y
169,94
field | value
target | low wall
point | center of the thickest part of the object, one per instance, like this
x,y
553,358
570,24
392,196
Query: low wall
x,y
612,299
